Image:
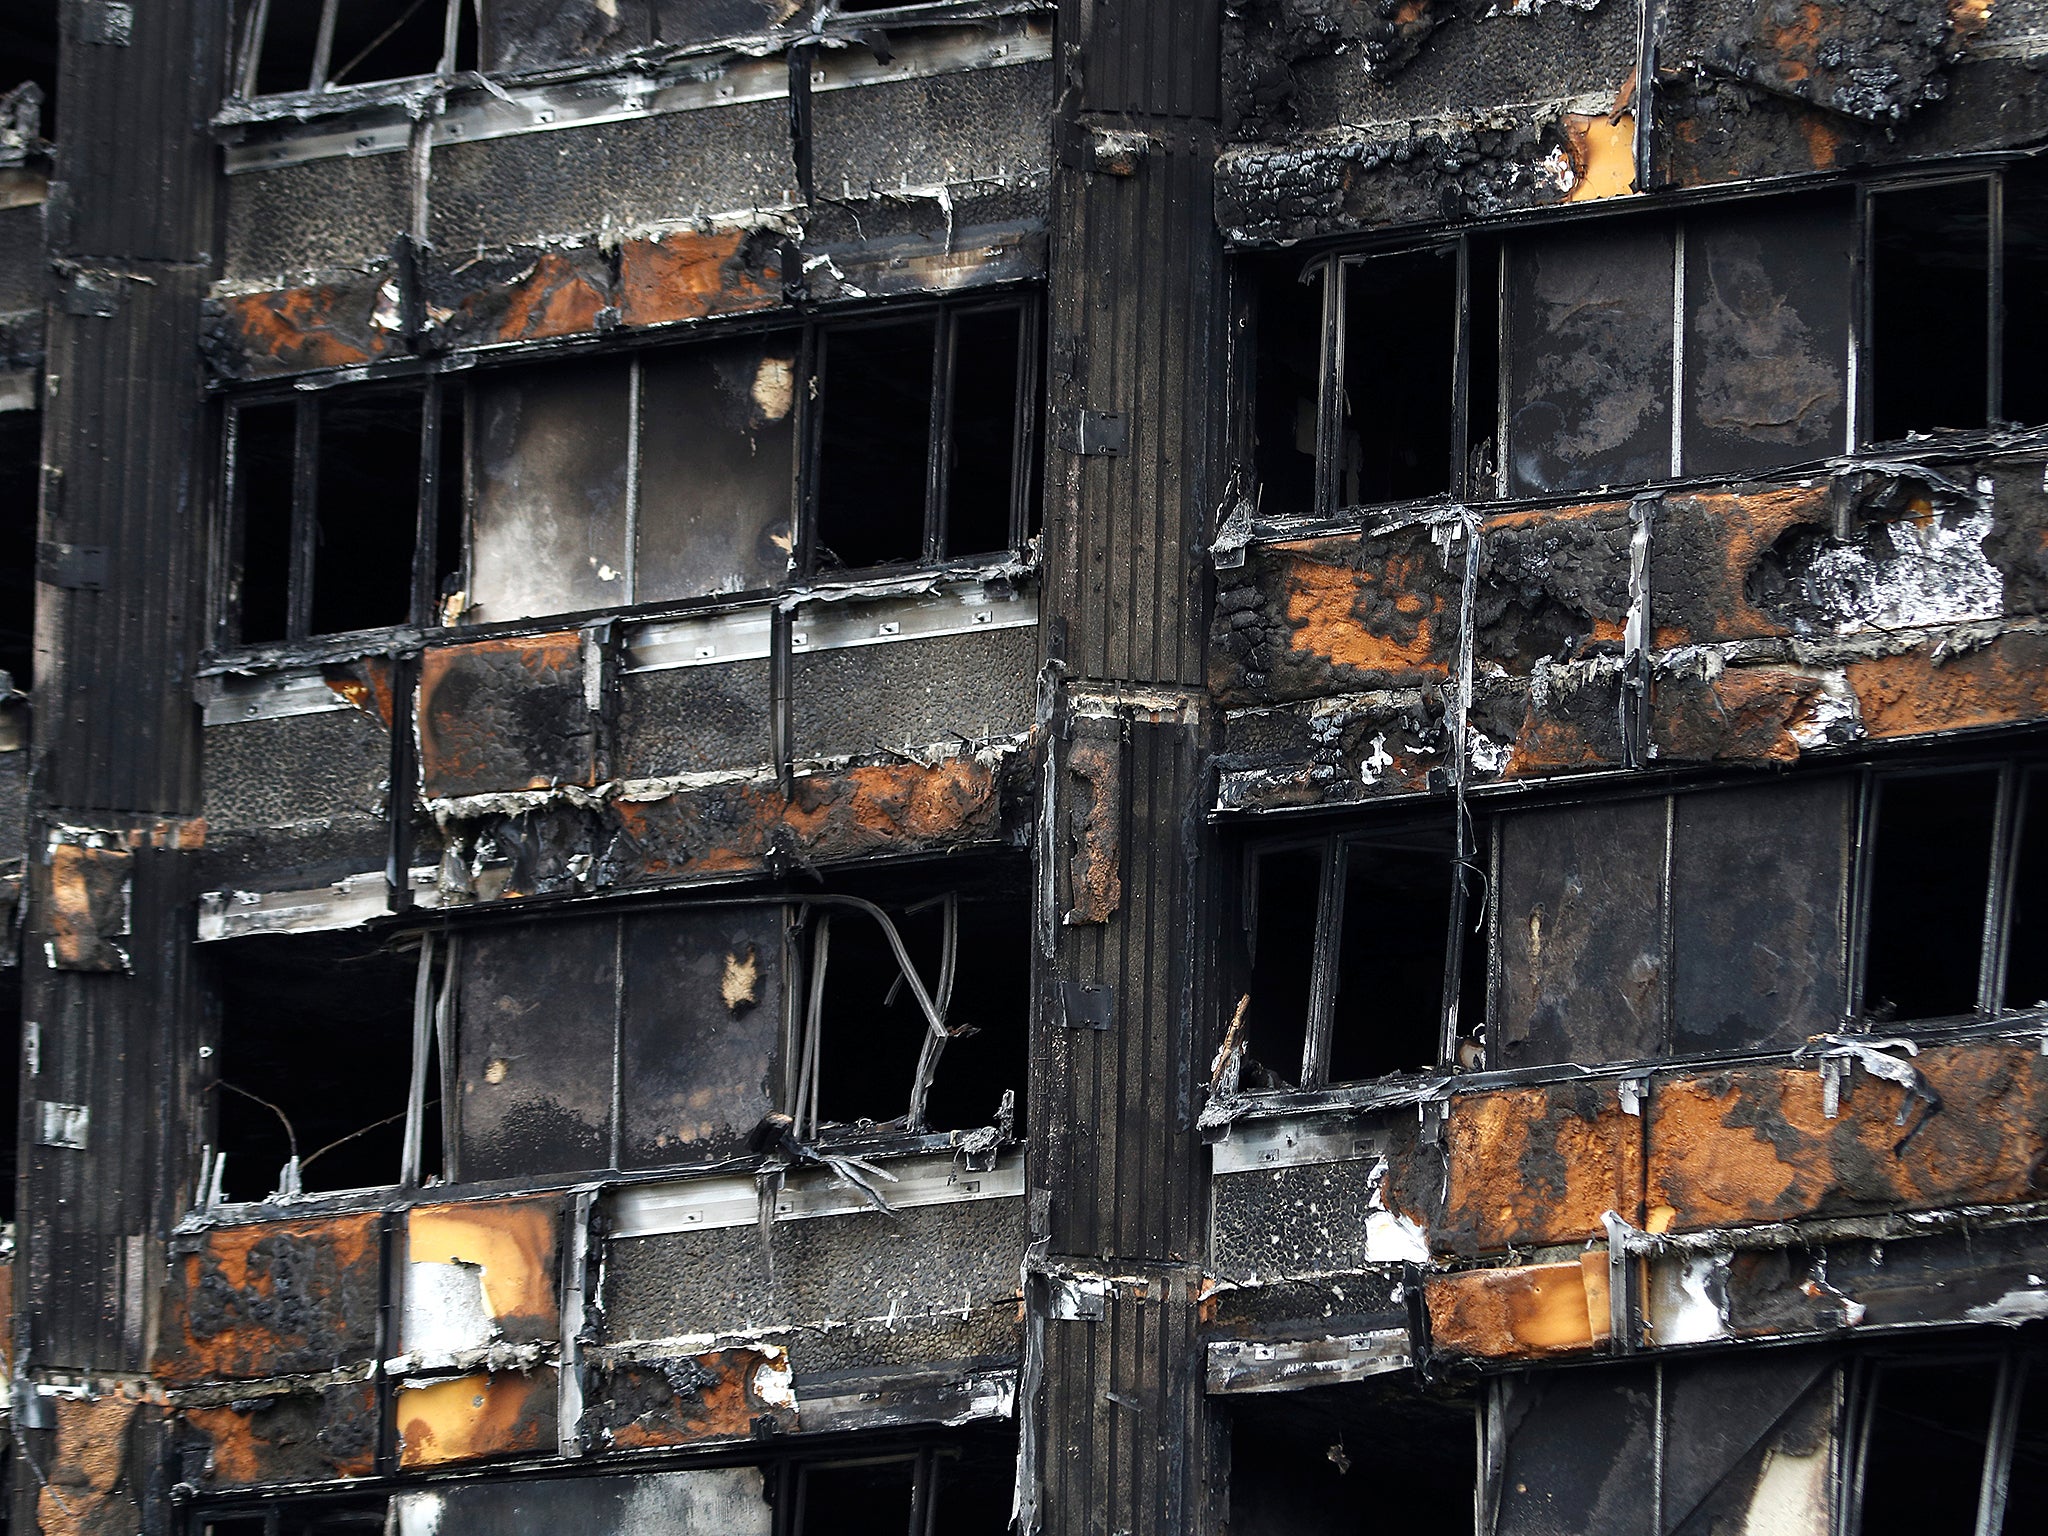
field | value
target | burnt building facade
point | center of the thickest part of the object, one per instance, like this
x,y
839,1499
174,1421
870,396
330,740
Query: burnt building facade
x,y
785,767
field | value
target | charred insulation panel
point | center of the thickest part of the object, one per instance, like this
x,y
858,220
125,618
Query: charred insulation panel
x,y
860,700
694,719
730,1500
286,223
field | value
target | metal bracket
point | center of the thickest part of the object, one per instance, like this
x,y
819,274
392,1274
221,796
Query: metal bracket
x,y
1093,434
1087,1004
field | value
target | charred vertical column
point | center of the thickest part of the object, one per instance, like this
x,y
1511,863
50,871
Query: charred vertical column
x,y
108,1075
1136,401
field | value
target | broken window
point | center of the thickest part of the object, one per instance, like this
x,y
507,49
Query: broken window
x,y
1353,961
322,1073
1346,1460
28,57
1955,891
343,510
921,424
1702,923
20,486
873,1056
1948,1442
313,45
1635,349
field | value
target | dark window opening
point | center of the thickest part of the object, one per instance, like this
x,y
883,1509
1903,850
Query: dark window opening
x,y
865,1498
1928,883
871,1031
981,446
2026,1489
365,506
1283,895
28,56
265,448
1289,370
1927,1429
2026,935
301,45
1480,384
313,1062
919,426
1334,1461
451,508
1387,1006
10,1110
20,490
2024,288
874,443
1930,308
386,39
1346,953
327,495
291,1517
1400,347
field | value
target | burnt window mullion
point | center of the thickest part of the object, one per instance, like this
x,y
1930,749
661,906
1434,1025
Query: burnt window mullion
x,y
2004,849
232,560
1021,425
1315,1065
323,48
1461,373
1994,299
426,513
1870,790
1329,399
251,55
305,490
810,447
939,448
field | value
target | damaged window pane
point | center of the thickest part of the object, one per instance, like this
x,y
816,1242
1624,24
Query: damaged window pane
x,y
1589,348
312,1065
2026,936
865,1498
1928,883
2024,287
875,443
264,448
1766,335
366,507
1396,404
1930,307
299,45
1387,1003
717,445
1289,365
1927,1430
982,462
1333,1461
1283,898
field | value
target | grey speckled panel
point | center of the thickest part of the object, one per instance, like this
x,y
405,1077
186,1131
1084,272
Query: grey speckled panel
x,y
982,124
875,698
23,277
275,773
13,805
325,213
693,719
677,165
1303,1220
947,1275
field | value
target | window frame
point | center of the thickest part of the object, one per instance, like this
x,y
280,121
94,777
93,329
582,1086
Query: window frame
x,y
2017,1369
446,395
255,23
1858,364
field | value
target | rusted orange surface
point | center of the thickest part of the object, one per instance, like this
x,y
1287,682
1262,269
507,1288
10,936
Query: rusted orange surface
x,y
1602,147
555,297
723,1395
299,1437
1911,694
295,329
276,1299
1527,1313
87,907
516,1246
93,1486
366,684
499,715
1705,551
477,1416
1536,1166
1575,724
1746,714
684,275
1377,619
1095,870
1754,1144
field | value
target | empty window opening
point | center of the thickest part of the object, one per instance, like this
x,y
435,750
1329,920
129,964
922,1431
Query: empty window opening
x,y
1929,879
313,1063
366,505
862,1498
2026,937
1288,385
1400,346
264,443
1334,1461
1283,891
28,55
1350,958
292,1517
450,504
20,486
982,462
867,1034
2024,288
875,432
2026,1488
1387,1003
1927,1428
308,45
10,1110
1930,308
